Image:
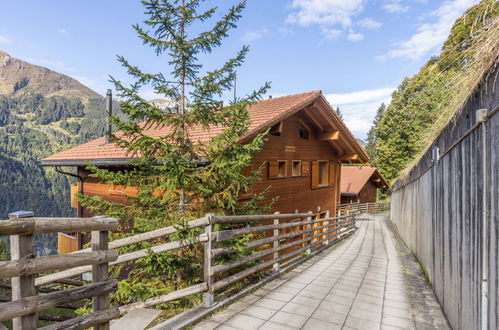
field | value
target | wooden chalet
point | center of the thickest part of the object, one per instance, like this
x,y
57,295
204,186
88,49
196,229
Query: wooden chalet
x,y
303,154
360,184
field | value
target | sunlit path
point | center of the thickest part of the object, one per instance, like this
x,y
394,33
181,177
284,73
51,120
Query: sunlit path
x,y
369,281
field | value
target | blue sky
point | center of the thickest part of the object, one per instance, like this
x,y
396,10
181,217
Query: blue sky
x,y
355,51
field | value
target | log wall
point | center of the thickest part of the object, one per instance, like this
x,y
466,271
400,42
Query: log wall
x,y
438,210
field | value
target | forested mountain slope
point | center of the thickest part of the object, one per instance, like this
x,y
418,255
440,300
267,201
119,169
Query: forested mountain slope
x,y
423,104
41,112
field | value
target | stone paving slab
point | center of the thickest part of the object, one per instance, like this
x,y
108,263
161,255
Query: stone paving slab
x,y
367,281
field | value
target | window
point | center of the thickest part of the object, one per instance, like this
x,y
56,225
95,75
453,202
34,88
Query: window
x,y
323,173
303,131
277,169
281,168
276,130
296,168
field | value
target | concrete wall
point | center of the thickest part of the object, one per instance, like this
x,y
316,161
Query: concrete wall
x,y
437,209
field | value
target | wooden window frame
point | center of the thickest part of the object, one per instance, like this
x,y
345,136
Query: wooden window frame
x,y
293,168
305,126
315,175
278,129
274,172
285,174
325,182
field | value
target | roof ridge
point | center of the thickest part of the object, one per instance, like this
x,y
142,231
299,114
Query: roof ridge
x,y
289,95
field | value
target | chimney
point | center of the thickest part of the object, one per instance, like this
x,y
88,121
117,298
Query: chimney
x,y
109,110
270,96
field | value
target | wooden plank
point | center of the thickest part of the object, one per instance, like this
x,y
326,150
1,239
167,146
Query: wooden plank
x,y
53,225
329,136
202,287
100,273
208,298
249,218
121,259
22,247
136,319
151,234
28,266
86,321
30,305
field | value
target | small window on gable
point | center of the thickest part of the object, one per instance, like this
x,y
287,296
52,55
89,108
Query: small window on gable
x,y
281,168
276,130
303,131
296,168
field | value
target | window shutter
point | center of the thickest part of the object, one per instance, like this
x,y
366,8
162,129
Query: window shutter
x,y
332,172
305,168
273,169
315,174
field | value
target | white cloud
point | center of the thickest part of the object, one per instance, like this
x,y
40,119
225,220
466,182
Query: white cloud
x,y
62,31
254,35
333,17
352,36
369,23
5,40
430,35
359,108
394,6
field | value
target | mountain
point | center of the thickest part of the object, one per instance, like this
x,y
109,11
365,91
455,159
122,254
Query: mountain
x,y
41,113
17,77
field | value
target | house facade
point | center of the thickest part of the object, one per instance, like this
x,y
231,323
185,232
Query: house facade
x,y
360,184
302,157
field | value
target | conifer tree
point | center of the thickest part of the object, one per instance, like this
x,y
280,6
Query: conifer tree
x,y
372,134
179,176
339,113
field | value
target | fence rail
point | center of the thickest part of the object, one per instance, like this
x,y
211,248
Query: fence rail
x,y
275,240
365,207
25,304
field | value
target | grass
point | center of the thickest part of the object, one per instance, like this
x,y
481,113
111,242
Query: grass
x,y
460,85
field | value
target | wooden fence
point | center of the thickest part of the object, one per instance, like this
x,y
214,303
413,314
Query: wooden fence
x,y
276,240
447,211
364,207
23,267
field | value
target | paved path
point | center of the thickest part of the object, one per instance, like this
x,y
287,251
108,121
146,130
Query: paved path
x,y
369,281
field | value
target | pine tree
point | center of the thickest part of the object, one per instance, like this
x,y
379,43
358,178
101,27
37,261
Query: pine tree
x,y
339,113
372,134
177,177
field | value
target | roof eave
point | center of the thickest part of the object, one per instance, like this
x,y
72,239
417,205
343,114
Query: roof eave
x,y
83,162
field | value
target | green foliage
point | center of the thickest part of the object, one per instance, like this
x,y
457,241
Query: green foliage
x,y
339,113
4,250
180,177
423,104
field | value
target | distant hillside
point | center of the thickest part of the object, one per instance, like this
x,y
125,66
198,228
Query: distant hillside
x,y
17,77
41,112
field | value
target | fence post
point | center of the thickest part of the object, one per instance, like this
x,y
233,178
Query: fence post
x,y
100,273
208,297
328,228
310,234
22,246
276,266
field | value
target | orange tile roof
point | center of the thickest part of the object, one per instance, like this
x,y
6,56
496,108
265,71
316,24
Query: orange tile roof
x,y
263,114
354,178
